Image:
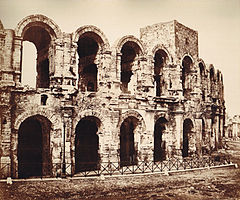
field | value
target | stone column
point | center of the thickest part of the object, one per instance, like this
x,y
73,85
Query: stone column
x,y
179,132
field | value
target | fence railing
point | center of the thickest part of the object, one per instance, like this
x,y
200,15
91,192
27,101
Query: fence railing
x,y
117,168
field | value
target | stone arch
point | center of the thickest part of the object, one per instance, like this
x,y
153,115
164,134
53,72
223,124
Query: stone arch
x,y
160,126
162,47
47,33
102,39
212,73
87,144
129,38
88,113
187,134
40,20
190,116
130,53
33,147
187,76
132,113
202,67
159,115
161,59
91,44
186,55
130,128
51,117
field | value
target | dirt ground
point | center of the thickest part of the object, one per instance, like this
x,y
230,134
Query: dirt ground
x,y
208,184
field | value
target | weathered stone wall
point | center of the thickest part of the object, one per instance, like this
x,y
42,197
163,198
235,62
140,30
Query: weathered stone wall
x,y
65,105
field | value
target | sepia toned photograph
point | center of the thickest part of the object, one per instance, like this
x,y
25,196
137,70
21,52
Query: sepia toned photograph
x,y
120,99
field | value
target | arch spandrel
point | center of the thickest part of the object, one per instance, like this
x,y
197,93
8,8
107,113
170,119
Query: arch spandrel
x,y
104,43
129,38
38,20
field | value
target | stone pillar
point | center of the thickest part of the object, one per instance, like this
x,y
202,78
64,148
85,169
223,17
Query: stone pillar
x,y
179,133
5,164
198,136
105,72
67,132
57,68
12,52
118,66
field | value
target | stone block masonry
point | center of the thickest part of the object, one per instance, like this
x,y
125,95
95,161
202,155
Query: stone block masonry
x,y
141,99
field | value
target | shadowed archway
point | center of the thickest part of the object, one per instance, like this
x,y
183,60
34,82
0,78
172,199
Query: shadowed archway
x,y
187,131
159,144
34,147
87,144
127,148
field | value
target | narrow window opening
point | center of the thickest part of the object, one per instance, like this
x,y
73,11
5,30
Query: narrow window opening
x,y
44,98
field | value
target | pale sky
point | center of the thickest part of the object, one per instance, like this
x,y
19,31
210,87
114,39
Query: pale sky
x,y
217,23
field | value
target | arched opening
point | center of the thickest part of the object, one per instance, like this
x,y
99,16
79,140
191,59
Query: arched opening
x,y
87,144
187,131
29,71
41,39
129,51
128,153
34,147
203,131
186,76
212,75
88,48
212,80
159,144
218,76
202,75
160,59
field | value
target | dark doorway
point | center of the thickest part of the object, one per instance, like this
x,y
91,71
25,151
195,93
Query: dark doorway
x,y
187,130
33,148
159,144
87,144
127,149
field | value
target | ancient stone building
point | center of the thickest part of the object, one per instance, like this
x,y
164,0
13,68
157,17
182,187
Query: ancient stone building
x,y
149,98
232,127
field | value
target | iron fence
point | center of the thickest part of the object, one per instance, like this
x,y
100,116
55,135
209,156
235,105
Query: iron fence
x,y
117,168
